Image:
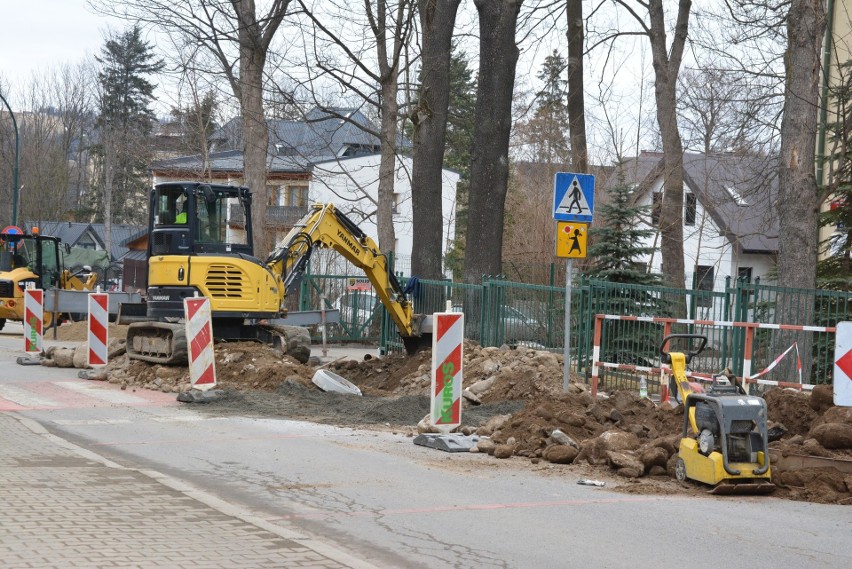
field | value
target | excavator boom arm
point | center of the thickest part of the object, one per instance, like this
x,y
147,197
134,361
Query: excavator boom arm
x,y
327,227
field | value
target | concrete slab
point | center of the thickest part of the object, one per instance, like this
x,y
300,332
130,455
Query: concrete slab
x,y
447,443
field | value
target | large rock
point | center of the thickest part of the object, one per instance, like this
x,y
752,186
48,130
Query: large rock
x,y
653,456
486,445
504,451
561,438
595,450
626,464
63,357
493,424
822,397
481,387
560,454
833,435
81,353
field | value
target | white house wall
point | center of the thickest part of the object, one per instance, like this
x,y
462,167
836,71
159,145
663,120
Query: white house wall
x,y
352,185
704,245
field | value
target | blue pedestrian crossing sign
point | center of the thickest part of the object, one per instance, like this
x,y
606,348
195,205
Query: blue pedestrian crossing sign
x,y
573,197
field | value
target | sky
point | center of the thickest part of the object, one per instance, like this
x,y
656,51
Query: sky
x,y
40,34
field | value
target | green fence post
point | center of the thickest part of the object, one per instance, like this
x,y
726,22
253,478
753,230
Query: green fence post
x,y
305,292
726,309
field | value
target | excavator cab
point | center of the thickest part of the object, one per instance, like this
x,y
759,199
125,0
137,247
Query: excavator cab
x,y
192,218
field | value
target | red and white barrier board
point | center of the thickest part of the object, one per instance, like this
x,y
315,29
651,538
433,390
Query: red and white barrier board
x,y
843,365
199,338
447,355
98,337
33,320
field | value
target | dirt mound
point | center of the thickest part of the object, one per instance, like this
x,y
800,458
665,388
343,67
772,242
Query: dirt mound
x,y
78,332
514,397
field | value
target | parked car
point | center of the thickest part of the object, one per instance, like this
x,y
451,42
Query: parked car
x,y
515,328
358,310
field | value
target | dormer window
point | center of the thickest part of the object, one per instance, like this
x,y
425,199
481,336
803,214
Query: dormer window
x,y
736,196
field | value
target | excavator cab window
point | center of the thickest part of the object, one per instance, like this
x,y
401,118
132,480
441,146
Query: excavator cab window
x,y
41,255
191,218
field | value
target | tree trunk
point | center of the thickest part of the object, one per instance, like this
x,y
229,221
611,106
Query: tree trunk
x,y
489,174
255,133
666,68
110,152
254,37
797,197
576,106
798,203
387,166
437,19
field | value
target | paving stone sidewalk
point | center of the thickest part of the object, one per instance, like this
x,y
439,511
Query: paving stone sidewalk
x,y
62,507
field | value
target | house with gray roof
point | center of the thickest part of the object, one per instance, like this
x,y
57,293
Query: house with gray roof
x,y
730,225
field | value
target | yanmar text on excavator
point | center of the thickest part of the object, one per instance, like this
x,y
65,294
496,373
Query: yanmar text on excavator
x,y
194,251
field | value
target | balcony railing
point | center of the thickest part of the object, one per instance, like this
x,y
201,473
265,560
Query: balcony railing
x,y
276,216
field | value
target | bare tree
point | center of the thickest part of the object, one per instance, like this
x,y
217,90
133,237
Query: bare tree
x,y
429,117
666,62
390,25
237,38
498,56
575,105
798,198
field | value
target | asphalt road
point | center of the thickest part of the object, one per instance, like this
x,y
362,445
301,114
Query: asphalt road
x,y
394,504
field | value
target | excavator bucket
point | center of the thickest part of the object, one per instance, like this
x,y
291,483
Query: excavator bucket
x,y
745,488
414,344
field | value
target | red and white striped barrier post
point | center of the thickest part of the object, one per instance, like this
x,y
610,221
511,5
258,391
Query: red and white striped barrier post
x,y
33,320
447,358
596,353
199,337
98,337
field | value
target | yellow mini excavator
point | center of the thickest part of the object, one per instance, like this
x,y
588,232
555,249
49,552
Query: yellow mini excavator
x,y
200,244
724,441
32,259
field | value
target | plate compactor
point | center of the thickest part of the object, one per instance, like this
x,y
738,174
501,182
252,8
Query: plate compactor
x,y
724,441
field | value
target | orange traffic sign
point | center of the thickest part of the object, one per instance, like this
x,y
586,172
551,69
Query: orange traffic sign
x,y
571,239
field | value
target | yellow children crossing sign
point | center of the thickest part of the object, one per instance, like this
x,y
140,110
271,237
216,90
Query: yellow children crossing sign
x,y
571,239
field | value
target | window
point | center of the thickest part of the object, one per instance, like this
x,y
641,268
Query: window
x,y
273,196
704,277
297,196
656,207
704,282
744,273
691,206
395,206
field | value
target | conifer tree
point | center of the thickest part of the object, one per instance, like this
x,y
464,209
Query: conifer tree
x,y
459,146
617,247
125,123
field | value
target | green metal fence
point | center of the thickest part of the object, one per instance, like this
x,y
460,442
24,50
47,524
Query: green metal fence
x,y
499,312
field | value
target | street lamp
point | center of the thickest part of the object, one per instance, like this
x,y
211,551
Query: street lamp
x,y
15,177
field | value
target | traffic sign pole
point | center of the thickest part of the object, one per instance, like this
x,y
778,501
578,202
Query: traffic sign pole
x,y
566,350
573,209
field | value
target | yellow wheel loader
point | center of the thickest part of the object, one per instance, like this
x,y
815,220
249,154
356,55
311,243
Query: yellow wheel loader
x,y
724,441
200,244
33,260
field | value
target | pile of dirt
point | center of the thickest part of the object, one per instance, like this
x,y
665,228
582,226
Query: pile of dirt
x,y
515,398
